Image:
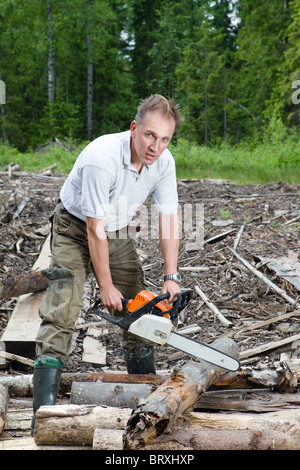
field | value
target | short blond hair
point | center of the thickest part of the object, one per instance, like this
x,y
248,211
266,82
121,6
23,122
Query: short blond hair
x,y
157,102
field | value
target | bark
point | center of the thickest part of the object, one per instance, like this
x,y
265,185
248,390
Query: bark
x,y
124,395
34,281
4,397
170,400
103,428
75,424
22,385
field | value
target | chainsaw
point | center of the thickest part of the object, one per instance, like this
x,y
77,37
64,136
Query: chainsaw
x,y
154,319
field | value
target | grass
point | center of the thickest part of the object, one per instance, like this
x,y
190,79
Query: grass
x,y
244,163
31,161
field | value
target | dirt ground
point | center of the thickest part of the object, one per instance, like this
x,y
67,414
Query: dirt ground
x,y
269,216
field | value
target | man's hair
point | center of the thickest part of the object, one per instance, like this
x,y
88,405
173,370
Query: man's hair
x,y
159,103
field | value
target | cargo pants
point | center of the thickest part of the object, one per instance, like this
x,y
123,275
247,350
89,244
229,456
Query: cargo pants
x,y
70,265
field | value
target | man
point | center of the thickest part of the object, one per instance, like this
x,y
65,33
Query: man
x,y
111,178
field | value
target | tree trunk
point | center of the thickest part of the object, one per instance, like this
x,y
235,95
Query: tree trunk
x,y
89,74
51,70
178,394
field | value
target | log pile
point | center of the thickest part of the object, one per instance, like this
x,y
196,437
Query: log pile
x,y
255,411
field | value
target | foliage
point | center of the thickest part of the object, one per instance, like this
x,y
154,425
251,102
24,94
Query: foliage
x,y
75,69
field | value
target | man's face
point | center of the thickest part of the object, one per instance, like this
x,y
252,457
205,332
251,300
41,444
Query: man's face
x,y
150,138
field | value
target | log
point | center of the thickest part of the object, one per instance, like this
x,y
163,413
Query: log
x,y
211,439
178,394
103,428
4,398
23,284
285,425
75,424
190,439
123,395
22,385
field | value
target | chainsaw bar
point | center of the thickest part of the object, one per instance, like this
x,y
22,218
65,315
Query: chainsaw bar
x,y
203,351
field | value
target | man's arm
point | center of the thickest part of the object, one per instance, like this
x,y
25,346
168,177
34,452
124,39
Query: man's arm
x,y
169,242
98,246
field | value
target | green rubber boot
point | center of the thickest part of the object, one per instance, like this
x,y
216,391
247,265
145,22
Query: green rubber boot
x,y
46,381
140,361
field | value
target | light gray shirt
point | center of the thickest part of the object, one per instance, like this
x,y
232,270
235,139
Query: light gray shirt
x,y
104,184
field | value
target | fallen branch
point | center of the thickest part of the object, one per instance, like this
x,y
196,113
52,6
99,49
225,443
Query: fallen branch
x,y
216,311
269,346
262,324
261,276
15,357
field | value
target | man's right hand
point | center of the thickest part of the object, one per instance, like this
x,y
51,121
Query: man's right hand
x,y
111,298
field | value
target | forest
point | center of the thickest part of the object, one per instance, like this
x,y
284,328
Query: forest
x,y
75,69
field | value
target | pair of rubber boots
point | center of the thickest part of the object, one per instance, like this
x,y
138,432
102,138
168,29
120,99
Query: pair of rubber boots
x,y
46,382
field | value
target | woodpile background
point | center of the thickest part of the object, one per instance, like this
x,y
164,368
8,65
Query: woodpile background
x,y
245,284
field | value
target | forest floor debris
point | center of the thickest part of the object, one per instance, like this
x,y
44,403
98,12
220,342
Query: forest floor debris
x,y
258,222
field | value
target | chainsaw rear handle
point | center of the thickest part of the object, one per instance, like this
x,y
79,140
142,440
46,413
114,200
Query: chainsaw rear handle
x,y
180,303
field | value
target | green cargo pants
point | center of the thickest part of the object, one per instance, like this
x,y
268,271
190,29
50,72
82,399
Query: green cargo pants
x,y
70,265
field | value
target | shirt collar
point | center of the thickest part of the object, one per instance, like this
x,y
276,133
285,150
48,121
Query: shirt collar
x,y
127,152
126,148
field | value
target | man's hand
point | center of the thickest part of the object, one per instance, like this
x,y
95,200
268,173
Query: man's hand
x,y
172,288
111,298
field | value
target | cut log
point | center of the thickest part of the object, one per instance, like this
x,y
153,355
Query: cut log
x,y
4,397
259,400
285,425
22,385
23,284
211,439
75,424
110,394
189,439
178,394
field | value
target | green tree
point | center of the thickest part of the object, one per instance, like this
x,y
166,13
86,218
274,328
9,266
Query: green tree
x,y
284,103
202,76
261,43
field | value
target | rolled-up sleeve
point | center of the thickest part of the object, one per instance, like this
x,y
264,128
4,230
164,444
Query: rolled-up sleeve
x,y
165,194
96,186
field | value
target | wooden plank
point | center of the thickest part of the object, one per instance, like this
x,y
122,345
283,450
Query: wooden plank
x,y
20,333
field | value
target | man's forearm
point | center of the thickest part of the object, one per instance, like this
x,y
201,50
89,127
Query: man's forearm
x,y
98,247
99,253
169,241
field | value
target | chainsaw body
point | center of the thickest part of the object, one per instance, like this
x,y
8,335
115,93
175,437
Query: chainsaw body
x,y
154,319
